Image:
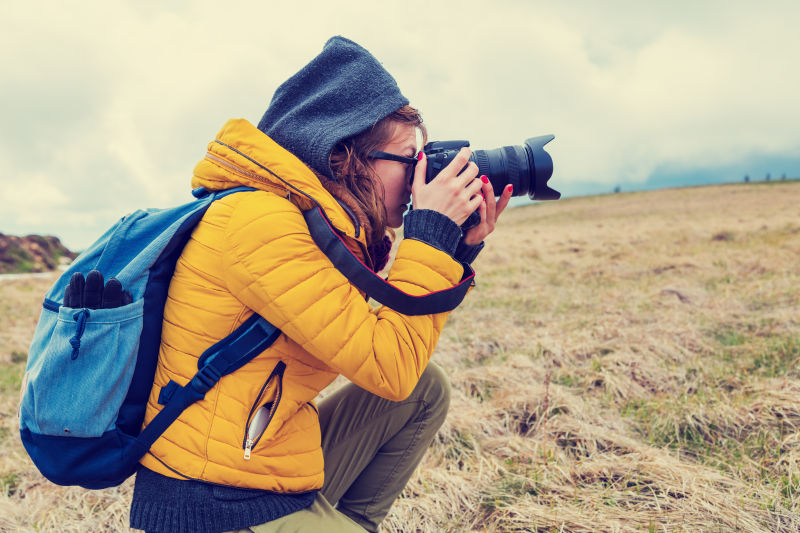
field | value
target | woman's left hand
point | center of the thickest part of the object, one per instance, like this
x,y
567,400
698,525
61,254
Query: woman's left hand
x,y
489,211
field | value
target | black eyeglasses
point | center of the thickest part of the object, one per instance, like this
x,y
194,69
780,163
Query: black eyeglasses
x,y
410,161
377,154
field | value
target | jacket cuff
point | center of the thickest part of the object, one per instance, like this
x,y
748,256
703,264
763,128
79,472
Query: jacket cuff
x,y
432,227
465,253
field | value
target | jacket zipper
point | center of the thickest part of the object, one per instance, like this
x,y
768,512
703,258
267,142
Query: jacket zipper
x,y
236,169
260,416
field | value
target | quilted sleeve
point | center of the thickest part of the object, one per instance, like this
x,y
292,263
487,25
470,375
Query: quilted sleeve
x,y
273,266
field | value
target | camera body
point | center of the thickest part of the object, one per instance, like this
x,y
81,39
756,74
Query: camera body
x,y
527,167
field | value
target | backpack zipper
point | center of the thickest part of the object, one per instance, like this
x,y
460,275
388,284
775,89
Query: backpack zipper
x,y
260,416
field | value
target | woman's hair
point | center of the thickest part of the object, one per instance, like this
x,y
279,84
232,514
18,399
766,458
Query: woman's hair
x,y
351,164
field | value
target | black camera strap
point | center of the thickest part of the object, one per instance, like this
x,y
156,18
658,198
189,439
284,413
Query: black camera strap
x,y
360,275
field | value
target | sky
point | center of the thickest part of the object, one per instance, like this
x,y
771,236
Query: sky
x,y
107,106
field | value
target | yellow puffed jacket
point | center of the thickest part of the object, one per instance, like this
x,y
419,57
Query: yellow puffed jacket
x,y
252,252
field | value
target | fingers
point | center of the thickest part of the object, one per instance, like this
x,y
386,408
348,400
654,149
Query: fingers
x,y
488,194
75,291
474,188
456,166
419,176
508,191
93,292
483,209
489,209
68,297
112,294
460,167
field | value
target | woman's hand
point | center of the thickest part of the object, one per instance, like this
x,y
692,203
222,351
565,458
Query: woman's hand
x,y
489,210
453,194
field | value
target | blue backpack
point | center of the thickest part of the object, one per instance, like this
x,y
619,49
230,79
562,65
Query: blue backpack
x,y
90,371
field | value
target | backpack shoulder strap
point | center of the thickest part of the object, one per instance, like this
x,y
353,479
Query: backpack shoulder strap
x,y
231,353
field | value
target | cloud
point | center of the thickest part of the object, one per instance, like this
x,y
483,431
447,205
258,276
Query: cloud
x,y
108,105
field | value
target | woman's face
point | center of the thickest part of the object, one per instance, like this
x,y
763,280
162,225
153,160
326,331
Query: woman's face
x,y
396,176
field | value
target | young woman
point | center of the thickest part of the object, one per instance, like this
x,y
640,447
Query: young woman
x,y
257,454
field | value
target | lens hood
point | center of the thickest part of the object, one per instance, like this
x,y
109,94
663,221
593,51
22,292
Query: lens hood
x,y
541,165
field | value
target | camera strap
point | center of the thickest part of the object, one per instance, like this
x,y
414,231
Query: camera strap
x,y
360,275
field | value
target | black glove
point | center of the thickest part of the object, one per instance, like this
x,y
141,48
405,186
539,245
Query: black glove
x,y
91,294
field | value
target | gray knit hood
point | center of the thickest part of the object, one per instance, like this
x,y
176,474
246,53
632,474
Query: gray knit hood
x,y
341,92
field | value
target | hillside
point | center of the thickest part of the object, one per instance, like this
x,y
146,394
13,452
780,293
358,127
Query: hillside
x,y
32,253
628,362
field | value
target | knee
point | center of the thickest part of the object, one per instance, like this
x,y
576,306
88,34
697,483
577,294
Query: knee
x,y
434,388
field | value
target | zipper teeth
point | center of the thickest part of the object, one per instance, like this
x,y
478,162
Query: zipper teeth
x,y
253,410
238,170
276,373
271,412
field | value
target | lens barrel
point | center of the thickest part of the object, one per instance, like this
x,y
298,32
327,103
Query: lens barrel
x,y
527,168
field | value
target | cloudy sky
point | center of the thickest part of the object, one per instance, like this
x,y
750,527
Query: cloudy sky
x,y
106,106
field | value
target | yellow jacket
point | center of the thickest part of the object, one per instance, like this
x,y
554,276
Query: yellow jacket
x,y
252,252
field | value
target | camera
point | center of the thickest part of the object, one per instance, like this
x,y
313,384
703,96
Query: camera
x,y
527,167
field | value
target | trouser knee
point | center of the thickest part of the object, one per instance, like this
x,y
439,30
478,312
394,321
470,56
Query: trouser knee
x,y
434,392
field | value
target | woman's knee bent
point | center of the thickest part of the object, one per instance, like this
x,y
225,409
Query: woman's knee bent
x,y
433,389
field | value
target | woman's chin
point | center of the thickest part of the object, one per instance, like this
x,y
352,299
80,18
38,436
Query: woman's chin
x,y
396,217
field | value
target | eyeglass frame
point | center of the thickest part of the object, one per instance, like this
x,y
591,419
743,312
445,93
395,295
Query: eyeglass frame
x,y
377,154
410,161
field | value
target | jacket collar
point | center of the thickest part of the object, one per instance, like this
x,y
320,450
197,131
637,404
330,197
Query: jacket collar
x,y
241,154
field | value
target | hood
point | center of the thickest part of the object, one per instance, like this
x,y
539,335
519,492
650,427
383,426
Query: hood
x,y
241,154
341,92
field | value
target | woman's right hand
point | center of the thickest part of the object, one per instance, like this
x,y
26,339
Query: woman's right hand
x,y
453,194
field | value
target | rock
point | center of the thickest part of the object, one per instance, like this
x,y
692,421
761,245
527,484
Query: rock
x,y
32,253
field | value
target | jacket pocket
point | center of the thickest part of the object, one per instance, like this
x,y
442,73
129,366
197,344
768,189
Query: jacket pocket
x,y
261,414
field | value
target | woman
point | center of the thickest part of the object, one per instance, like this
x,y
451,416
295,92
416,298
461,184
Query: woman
x,y
250,455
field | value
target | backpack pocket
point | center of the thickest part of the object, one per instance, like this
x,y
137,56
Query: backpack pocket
x,y
80,369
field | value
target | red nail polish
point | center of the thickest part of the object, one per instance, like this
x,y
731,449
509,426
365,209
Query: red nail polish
x,y
510,188
484,179
419,157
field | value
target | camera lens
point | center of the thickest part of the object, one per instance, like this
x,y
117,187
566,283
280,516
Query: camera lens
x,y
526,167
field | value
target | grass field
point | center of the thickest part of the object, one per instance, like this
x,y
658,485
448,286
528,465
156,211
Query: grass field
x,y
627,362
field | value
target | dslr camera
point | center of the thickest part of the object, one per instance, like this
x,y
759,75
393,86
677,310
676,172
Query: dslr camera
x,y
527,167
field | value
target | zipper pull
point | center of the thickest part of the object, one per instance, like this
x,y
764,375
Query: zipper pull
x,y
248,446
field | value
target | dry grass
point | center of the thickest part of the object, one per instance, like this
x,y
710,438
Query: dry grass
x,y
626,363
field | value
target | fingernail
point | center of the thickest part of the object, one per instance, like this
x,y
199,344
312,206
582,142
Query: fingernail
x,y
510,188
484,179
419,157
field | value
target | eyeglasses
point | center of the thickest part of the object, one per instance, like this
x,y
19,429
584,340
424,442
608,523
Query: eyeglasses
x,y
377,154
410,161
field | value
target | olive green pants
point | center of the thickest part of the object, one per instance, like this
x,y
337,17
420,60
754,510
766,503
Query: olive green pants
x,y
371,448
